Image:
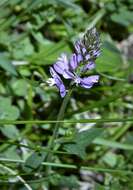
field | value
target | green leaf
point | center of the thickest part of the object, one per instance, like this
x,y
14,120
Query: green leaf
x,y
20,87
22,49
6,64
11,153
110,159
81,141
7,110
110,59
124,17
34,161
10,131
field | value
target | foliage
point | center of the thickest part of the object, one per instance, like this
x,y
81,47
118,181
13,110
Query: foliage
x,y
32,36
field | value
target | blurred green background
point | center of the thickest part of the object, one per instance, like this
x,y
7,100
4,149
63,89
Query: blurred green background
x,y
33,33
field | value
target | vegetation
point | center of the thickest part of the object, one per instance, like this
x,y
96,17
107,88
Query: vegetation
x,y
92,145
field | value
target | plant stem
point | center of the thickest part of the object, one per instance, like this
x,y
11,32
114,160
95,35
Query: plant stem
x,y
74,166
57,125
33,122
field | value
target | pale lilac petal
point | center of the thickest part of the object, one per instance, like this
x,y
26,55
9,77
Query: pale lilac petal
x,y
86,85
55,76
73,62
79,58
58,67
61,64
61,87
88,82
93,78
62,90
58,82
67,74
63,58
89,66
62,67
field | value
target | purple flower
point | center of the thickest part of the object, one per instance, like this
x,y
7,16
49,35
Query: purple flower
x,y
56,80
62,66
88,66
75,68
70,71
88,48
86,53
88,82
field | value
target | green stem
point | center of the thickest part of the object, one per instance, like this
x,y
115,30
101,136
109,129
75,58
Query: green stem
x,y
57,125
73,166
24,122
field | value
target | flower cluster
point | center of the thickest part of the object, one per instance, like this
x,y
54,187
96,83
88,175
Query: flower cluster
x,y
74,68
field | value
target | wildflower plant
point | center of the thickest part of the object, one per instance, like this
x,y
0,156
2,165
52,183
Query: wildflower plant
x,y
76,66
74,69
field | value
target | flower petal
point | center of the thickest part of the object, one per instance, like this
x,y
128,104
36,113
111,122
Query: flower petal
x,y
61,64
88,82
62,67
58,82
62,90
60,86
89,66
73,62
58,67
63,59
79,58
67,74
